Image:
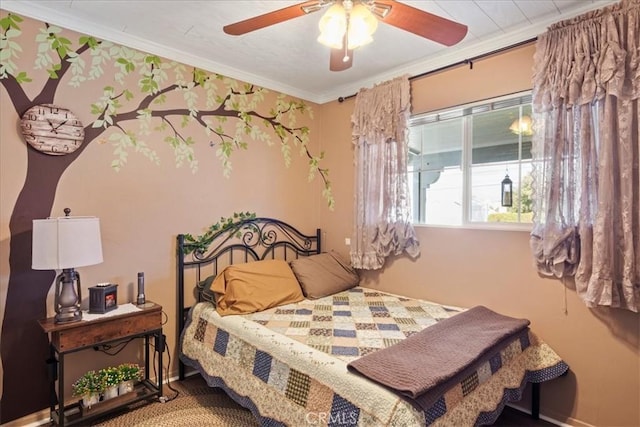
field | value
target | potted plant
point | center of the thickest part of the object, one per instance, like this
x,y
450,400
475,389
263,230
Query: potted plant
x,y
110,379
130,373
88,386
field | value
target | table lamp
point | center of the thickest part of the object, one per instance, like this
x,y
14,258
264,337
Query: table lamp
x,y
65,243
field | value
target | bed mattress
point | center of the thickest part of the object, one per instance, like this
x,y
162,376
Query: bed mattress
x,y
289,364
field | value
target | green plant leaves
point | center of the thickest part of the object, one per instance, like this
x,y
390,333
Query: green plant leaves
x,y
201,243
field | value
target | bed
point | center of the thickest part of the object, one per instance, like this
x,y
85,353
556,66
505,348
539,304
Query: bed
x,y
316,360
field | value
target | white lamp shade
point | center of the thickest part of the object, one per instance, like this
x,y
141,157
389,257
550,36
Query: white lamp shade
x,y
66,242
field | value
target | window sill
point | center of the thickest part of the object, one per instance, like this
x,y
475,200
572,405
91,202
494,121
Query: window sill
x,y
478,226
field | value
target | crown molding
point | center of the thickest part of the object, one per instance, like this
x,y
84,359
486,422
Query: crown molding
x,y
466,51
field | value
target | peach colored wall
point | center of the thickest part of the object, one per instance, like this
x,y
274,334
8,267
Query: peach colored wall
x,y
468,267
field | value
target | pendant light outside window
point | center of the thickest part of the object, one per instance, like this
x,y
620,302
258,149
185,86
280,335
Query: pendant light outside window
x,y
522,126
507,191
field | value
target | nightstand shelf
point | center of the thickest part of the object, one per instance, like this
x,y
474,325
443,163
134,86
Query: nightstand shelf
x,y
75,413
66,338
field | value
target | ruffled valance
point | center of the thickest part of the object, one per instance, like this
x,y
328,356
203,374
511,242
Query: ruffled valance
x,y
584,58
381,113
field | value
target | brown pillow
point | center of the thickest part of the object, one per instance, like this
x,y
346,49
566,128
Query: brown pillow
x,y
324,274
255,286
204,290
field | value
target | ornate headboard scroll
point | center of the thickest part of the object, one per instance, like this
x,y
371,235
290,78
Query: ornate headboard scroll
x,y
247,240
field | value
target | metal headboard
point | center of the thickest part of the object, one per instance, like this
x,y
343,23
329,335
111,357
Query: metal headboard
x,y
245,241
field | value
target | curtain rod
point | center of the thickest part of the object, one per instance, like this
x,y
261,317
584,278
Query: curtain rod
x,y
469,61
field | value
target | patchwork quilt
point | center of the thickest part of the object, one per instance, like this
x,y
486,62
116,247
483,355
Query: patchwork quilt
x,y
289,364
354,322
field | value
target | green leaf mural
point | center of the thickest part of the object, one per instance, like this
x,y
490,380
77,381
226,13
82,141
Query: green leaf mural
x,y
210,100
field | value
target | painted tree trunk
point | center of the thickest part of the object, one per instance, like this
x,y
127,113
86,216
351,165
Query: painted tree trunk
x,y
25,347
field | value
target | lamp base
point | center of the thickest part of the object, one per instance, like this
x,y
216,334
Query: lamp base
x,y
68,314
68,297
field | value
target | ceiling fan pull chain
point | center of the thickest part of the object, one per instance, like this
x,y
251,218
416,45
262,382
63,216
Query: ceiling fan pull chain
x,y
345,40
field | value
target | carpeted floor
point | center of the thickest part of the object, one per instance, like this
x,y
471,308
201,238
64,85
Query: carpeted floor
x,y
199,405
196,405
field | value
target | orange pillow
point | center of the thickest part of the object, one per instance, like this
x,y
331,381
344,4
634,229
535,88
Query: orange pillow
x,y
255,286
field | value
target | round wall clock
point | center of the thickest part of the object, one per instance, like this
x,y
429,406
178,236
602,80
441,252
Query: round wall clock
x,y
51,129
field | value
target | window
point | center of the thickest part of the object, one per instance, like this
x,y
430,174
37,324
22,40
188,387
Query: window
x,y
458,159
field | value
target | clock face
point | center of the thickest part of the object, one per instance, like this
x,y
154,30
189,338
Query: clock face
x,y
51,129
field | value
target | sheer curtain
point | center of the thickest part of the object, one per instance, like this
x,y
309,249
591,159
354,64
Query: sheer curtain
x,y
382,223
585,150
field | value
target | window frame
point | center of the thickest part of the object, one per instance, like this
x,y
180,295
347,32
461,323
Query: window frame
x,y
458,111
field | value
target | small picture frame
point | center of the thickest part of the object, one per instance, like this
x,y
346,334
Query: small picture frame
x,y
103,298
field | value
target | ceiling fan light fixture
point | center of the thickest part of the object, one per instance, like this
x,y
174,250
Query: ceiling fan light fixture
x,y
358,23
362,25
349,24
333,26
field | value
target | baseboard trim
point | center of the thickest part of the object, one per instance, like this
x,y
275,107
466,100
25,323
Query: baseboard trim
x,y
574,422
32,420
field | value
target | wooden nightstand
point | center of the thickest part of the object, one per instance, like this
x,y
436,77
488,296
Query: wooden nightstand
x,y
67,338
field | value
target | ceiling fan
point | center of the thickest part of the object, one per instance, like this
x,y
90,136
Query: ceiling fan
x,y
399,15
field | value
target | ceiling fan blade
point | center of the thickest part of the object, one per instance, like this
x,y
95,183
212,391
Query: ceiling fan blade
x,y
275,17
337,62
422,23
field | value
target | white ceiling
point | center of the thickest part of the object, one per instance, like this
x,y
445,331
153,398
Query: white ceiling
x,y
286,57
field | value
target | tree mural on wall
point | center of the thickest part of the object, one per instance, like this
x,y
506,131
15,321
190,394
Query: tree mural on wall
x,y
212,103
